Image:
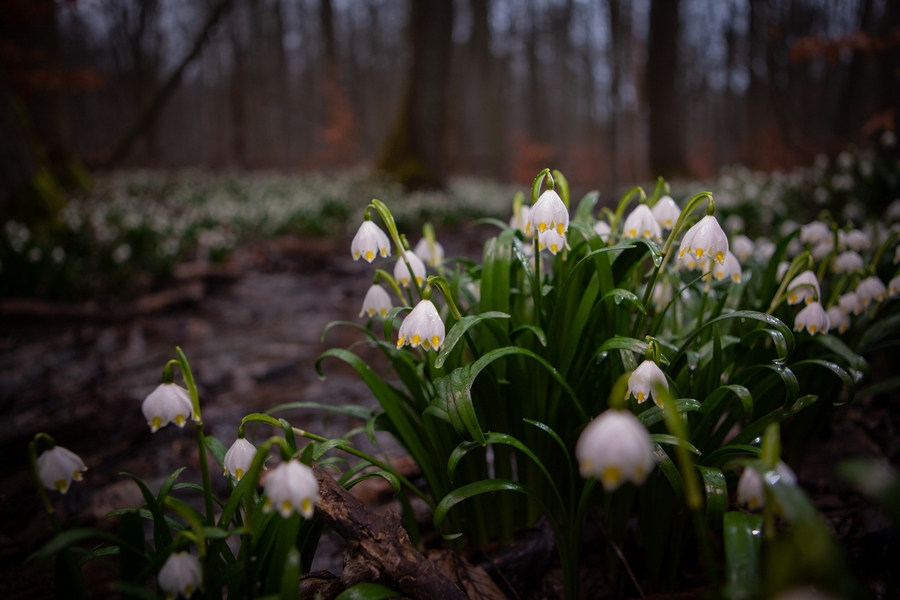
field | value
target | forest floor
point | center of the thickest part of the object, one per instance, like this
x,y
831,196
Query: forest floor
x,y
252,334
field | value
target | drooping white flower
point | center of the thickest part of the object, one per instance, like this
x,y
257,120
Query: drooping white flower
x,y
521,220
642,224
894,287
765,248
401,273
239,458
783,267
377,301
431,256
549,212
615,448
662,294
870,289
58,467
794,248
733,223
731,268
813,318
666,212
290,487
180,575
838,319
803,287
705,238
849,302
750,485
821,250
854,239
370,241
847,262
422,326
168,403
815,232
644,380
551,240
602,229
743,247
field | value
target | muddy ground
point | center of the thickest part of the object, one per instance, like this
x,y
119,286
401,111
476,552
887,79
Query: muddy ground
x,y
251,330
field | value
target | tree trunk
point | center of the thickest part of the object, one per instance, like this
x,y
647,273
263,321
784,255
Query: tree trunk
x,y
663,94
414,152
489,89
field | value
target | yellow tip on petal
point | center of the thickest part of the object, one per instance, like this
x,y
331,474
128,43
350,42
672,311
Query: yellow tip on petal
x,y
586,467
720,257
306,507
155,424
560,229
698,252
640,397
611,476
632,232
435,341
554,248
356,255
542,227
267,506
416,340
286,506
812,328
61,485
400,341
383,312
383,252
238,473
752,503
180,420
370,255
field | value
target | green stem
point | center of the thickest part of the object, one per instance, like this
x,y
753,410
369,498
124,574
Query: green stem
x,y
201,439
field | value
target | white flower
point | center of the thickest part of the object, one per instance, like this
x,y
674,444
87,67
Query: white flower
x,y
168,403
815,232
743,247
765,248
369,241
894,287
181,574
377,301
521,220
783,267
849,302
551,240
821,250
615,448
750,485
549,212
239,458
847,262
603,229
854,239
733,223
662,294
731,268
434,256
121,253
422,326
893,210
290,487
814,318
642,224
838,319
870,289
401,273
57,468
666,212
804,286
705,238
644,380
794,248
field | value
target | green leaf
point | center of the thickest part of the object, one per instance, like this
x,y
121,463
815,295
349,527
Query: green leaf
x,y
390,477
455,390
217,449
756,429
167,486
742,534
839,348
234,501
716,494
669,469
474,489
537,331
845,378
585,210
70,537
290,576
727,453
654,415
664,438
369,591
323,447
459,330
618,295
359,412
495,282
161,533
741,315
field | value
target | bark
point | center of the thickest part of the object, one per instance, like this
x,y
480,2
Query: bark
x,y
489,86
663,94
414,152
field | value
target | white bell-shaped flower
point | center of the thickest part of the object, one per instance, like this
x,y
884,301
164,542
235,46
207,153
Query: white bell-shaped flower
x,y
369,242
803,287
58,467
743,247
783,267
551,240
644,380
813,318
893,287
615,448
706,238
815,232
662,294
180,575
602,229
730,269
521,220
847,262
838,319
849,302
550,213
376,302
765,248
666,212
422,326
168,403
870,289
401,272
430,255
290,487
854,239
750,485
641,224
239,458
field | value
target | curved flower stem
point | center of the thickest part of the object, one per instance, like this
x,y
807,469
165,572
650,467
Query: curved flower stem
x,y
441,284
201,438
799,264
389,279
391,225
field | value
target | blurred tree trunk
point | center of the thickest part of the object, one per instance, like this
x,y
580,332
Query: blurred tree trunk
x,y
849,118
488,86
663,94
236,104
414,152
613,131
538,126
